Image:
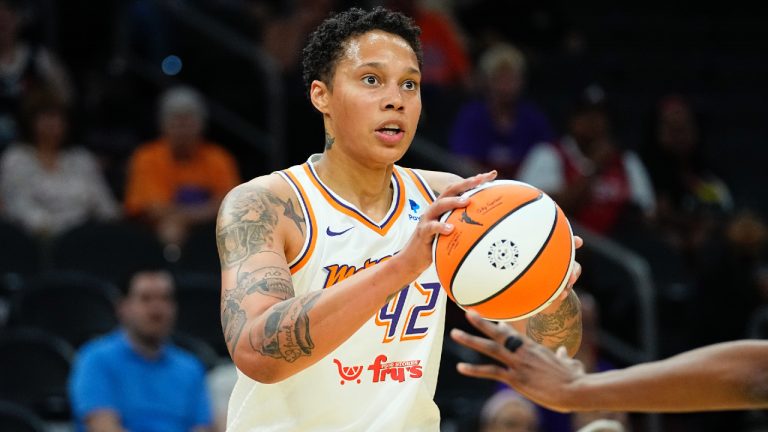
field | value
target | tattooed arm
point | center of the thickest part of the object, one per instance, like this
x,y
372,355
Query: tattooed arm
x,y
273,333
556,326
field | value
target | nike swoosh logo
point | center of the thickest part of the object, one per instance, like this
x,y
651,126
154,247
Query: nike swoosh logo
x,y
334,233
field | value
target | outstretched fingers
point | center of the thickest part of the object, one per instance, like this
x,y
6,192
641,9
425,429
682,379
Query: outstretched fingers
x,y
500,345
487,371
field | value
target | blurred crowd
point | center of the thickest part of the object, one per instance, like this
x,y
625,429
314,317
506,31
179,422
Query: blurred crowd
x,y
123,124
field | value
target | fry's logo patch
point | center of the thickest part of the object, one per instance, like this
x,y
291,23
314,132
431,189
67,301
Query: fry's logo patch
x,y
381,370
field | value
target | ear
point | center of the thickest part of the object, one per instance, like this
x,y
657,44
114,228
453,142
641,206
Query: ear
x,y
319,94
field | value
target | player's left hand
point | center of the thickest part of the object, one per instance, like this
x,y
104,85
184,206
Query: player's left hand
x,y
578,242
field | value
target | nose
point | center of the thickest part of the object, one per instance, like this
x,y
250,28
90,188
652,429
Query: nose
x,y
393,98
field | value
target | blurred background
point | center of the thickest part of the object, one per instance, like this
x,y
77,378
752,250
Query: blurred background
x,y
123,123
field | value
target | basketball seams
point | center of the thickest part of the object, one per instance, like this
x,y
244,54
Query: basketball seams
x,y
527,267
563,280
481,237
565,231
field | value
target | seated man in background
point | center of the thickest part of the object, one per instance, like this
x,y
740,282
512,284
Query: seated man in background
x,y
134,379
179,179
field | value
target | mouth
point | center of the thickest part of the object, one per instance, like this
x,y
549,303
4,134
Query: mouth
x,y
391,130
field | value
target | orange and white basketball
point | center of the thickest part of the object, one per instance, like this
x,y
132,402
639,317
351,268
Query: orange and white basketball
x,y
510,254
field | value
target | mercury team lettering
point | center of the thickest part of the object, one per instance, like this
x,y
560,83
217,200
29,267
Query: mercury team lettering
x,y
394,312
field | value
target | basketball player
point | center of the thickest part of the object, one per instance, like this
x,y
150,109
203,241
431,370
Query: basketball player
x,y
724,376
331,308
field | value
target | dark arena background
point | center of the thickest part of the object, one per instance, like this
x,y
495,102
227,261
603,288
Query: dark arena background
x,y
680,89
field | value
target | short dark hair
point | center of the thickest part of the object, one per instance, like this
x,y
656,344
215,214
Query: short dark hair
x,y
128,284
326,44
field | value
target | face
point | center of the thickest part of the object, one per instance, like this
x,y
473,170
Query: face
x,y
183,129
677,130
149,310
372,108
49,128
514,416
9,23
505,84
589,126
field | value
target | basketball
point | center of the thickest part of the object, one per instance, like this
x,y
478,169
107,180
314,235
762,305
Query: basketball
x,y
510,253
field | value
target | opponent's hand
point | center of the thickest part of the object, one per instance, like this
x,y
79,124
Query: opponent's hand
x,y
417,254
545,377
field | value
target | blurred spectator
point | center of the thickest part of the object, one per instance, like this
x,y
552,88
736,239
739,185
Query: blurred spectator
x,y
446,73
23,66
507,411
729,266
285,34
692,200
446,63
221,380
498,130
134,379
603,425
597,183
536,25
179,179
46,185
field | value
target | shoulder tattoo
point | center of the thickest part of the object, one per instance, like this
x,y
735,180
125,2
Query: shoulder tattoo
x,y
247,222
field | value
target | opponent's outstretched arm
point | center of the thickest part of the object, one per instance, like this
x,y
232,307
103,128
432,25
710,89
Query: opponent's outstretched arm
x,y
725,376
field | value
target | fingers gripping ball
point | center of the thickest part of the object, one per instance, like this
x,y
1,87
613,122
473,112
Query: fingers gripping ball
x,y
510,254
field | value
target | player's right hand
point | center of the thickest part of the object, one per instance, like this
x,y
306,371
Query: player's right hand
x,y
417,254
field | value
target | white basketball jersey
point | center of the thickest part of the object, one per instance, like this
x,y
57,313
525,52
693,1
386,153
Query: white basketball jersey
x,y
383,377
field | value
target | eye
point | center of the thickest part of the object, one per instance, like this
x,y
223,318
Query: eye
x,y
370,80
410,85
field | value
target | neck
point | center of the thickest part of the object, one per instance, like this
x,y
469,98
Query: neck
x,y
368,188
146,347
47,155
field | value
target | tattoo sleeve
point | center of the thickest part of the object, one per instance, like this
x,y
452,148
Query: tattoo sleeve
x,y
289,211
285,334
559,328
270,281
247,222
233,316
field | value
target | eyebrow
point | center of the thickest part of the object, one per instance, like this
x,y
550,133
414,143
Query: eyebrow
x,y
380,65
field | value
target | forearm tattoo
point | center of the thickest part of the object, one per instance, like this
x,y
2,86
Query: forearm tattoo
x,y
233,316
285,334
559,328
271,281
